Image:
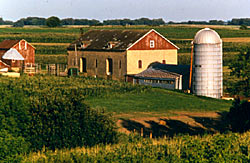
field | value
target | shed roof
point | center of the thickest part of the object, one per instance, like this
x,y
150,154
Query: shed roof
x,y
7,44
99,39
13,54
178,69
157,73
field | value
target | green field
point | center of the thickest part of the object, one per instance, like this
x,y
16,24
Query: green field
x,y
157,100
164,113
181,35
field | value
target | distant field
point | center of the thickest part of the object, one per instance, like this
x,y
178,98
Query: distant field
x,y
54,41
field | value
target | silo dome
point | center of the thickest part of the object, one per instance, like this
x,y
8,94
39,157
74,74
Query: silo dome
x,y
207,36
207,76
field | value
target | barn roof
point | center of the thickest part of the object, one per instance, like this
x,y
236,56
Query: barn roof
x,y
100,39
157,73
7,44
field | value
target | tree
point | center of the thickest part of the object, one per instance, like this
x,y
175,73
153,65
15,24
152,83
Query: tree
x,y
243,27
53,21
240,68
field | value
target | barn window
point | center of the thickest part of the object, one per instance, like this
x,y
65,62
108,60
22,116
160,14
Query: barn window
x,y
139,64
152,44
83,65
109,66
164,61
120,64
96,63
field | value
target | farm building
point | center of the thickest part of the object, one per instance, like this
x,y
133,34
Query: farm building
x,y
165,76
15,54
117,54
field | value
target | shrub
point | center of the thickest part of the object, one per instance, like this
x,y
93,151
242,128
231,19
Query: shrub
x,y
243,27
11,147
14,115
239,116
59,121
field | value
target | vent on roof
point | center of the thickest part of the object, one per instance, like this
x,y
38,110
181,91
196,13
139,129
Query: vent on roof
x,y
85,44
112,44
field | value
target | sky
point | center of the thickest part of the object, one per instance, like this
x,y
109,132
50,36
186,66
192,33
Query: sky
x,y
169,10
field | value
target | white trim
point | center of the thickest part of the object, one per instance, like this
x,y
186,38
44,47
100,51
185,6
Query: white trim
x,y
25,45
152,43
25,41
152,30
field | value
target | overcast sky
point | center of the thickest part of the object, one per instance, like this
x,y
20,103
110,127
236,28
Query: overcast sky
x,y
169,10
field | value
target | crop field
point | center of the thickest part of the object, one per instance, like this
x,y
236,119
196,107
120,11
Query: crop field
x,y
208,148
184,127
54,41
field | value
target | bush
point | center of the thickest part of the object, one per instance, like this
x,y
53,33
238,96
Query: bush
x,y
243,27
239,116
14,115
11,147
65,122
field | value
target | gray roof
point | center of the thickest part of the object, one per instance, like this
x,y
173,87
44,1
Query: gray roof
x,y
100,39
178,69
157,73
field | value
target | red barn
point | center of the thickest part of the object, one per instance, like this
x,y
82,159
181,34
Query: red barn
x,y
23,47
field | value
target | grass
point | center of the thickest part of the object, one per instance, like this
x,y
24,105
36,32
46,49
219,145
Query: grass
x,y
157,101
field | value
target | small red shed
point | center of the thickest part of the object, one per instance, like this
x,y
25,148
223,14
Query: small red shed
x,y
23,47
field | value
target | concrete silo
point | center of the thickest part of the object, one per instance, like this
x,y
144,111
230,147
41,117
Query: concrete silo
x,y
207,73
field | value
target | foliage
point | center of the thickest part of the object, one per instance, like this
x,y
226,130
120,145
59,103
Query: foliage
x,y
53,21
5,22
209,148
11,147
61,121
243,27
240,68
239,21
50,111
70,21
14,116
239,116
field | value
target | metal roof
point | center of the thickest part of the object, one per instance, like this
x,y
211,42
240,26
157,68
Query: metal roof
x,y
13,54
207,36
157,73
99,39
121,40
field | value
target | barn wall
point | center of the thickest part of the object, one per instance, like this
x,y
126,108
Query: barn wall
x,y
100,71
147,57
159,41
28,54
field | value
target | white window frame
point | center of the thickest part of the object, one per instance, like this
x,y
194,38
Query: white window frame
x,y
152,44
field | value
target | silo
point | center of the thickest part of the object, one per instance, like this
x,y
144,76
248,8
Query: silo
x,y
207,77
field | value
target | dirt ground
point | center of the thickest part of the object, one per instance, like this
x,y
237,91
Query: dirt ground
x,y
174,123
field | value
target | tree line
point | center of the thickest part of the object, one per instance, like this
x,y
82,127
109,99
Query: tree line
x,y
93,22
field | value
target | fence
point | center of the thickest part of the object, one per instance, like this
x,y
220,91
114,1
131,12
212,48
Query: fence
x,y
50,69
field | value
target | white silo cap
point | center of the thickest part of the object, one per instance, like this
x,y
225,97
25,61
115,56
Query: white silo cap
x,y
207,36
